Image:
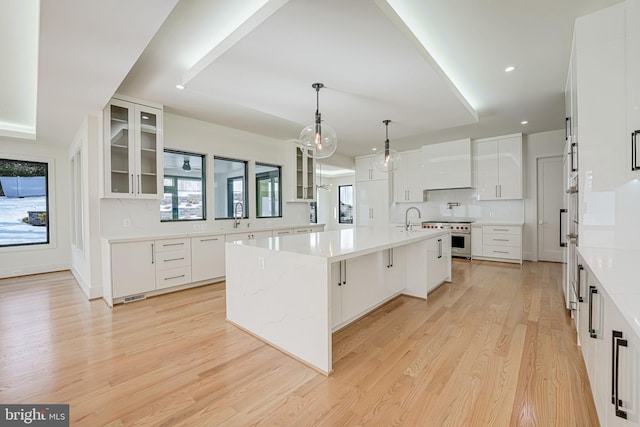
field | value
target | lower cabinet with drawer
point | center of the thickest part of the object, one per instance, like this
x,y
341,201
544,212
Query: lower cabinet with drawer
x,y
141,267
500,243
173,262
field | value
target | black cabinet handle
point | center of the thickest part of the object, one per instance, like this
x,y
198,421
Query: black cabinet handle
x,y
616,342
580,268
439,248
567,128
340,273
634,148
562,244
592,291
574,149
344,281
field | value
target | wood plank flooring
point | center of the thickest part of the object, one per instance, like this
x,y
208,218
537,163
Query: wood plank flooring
x,y
495,347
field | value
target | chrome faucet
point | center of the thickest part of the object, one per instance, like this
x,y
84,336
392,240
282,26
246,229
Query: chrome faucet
x,y
236,217
407,224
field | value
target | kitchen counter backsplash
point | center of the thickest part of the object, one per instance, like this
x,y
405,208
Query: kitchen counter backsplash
x,y
436,209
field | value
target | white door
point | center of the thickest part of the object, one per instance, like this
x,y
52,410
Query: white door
x,y
549,204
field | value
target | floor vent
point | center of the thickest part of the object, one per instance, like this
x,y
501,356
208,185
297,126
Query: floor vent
x,y
133,298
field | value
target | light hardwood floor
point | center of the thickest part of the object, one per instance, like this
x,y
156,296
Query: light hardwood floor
x,y
495,347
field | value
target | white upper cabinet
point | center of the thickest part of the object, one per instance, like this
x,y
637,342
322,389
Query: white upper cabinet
x,y
365,170
633,89
447,165
300,172
500,168
133,150
601,92
408,179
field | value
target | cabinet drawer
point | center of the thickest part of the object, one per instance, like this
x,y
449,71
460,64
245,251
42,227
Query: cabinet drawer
x,y
172,244
173,259
302,230
501,229
173,277
502,240
506,252
278,233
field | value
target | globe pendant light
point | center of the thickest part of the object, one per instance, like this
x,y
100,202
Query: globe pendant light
x,y
319,140
388,160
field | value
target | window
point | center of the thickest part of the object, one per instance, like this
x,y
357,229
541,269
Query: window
x,y
24,203
230,178
345,203
313,212
184,187
268,191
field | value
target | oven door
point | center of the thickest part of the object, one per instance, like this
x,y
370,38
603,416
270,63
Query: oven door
x,y
461,244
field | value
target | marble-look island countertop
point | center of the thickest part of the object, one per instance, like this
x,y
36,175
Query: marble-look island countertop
x,y
616,270
337,245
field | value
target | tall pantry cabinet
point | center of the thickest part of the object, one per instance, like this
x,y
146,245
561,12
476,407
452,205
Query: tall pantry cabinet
x,y
372,194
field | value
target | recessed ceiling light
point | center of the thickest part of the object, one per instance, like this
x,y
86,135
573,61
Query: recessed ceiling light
x,y
181,87
524,122
374,149
509,69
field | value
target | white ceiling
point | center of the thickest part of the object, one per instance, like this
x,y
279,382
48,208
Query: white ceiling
x,y
434,67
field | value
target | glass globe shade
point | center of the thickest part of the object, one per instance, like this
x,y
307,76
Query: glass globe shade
x,y
386,164
319,145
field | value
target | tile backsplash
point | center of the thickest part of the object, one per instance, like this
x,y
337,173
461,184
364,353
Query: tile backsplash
x,y
470,208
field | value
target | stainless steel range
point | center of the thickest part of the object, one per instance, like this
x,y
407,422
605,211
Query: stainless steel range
x,y
460,235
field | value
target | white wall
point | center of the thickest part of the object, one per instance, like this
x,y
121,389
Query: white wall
x,y
186,134
21,260
328,201
86,257
536,146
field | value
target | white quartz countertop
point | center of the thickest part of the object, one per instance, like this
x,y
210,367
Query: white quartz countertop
x,y
616,270
337,245
206,232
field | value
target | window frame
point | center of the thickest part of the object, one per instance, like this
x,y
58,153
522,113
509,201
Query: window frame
x,y
340,221
49,206
270,175
229,203
174,194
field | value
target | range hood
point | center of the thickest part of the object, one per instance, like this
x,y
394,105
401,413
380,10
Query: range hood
x,y
448,165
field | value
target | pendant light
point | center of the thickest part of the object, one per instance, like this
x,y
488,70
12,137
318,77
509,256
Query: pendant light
x,y
388,160
319,140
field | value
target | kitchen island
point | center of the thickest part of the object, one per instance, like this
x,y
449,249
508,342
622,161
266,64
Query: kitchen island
x,y
293,292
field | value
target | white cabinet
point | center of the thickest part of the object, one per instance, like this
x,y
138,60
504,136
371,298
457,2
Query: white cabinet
x,y
408,179
632,90
438,259
447,165
476,241
498,242
500,168
247,235
363,286
372,203
365,170
207,257
602,94
396,270
300,172
611,351
133,269
133,150
173,262
622,367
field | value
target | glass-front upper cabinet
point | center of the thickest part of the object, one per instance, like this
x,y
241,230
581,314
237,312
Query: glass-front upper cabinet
x,y
301,175
133,150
